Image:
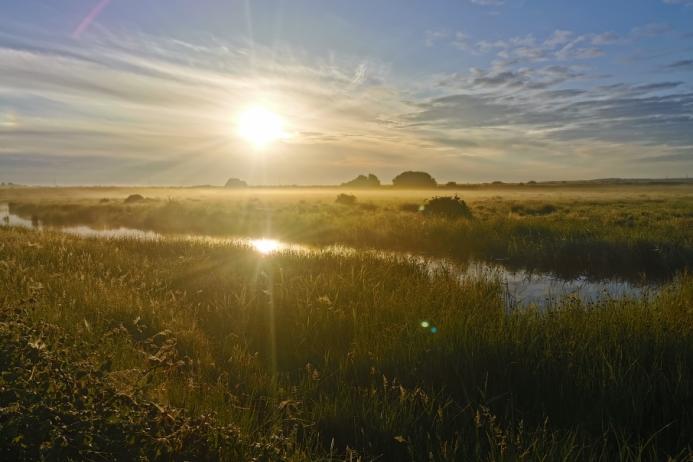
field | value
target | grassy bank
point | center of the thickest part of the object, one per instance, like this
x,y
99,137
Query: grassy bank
x,y
325,357
623,231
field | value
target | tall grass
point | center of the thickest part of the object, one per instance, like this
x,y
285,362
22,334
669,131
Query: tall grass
x,y
328,355
570,235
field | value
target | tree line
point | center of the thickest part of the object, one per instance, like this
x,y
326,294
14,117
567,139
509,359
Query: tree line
x,y
408,179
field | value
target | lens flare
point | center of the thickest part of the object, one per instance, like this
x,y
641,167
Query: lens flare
x,y
90,18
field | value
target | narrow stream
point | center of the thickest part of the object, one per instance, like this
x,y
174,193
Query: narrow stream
x,y
521,287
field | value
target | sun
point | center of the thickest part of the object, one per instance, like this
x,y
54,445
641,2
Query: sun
x,y
260,127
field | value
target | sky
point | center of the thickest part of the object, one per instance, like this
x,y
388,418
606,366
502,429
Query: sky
x,y
149,91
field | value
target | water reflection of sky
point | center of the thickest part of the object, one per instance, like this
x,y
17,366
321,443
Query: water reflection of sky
x,y
523,287
520,287
10,219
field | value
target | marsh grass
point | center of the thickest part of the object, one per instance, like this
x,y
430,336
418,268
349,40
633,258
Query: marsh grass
x,y
326,355
574,234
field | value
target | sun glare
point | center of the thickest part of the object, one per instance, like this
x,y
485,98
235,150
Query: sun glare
x,y
260,127
265,246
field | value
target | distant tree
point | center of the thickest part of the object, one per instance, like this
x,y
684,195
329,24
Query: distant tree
x,y
236,183
414,180
363,181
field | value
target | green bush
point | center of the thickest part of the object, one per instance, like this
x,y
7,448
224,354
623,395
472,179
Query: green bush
x,y
449,207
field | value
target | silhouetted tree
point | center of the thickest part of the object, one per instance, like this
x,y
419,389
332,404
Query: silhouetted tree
x,y
236,183
363,181
414,180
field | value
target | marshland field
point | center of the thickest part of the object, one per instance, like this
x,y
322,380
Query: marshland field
x,y
282,324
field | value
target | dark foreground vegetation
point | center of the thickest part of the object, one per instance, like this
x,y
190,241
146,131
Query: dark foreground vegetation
x,y
59,402
190,351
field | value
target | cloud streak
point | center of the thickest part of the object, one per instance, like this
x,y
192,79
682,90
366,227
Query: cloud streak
x,y
131,108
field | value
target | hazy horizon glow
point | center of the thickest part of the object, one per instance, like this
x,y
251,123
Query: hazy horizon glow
x,y
127,92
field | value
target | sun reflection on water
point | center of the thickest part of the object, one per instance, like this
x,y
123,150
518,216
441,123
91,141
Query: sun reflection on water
x,y
266,246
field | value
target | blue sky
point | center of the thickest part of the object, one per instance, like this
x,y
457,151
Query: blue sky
x,y
470,90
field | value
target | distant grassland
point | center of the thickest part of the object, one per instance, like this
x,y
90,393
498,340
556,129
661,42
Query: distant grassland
x,y
598,231
121,348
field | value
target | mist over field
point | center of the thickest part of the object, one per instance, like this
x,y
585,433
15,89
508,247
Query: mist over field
x,y
358,231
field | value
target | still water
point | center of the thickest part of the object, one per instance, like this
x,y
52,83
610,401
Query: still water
x,y
520,287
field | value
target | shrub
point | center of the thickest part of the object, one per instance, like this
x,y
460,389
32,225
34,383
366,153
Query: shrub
x,y
134,198
450,207
346,199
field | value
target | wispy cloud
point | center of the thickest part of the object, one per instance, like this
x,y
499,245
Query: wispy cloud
x,y
653,29
141,97
435,36
488,2
682,65
125,107
678,2
560,45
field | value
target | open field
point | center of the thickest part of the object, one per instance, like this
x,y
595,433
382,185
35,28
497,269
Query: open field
x,y
599,232
359,231
195,350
